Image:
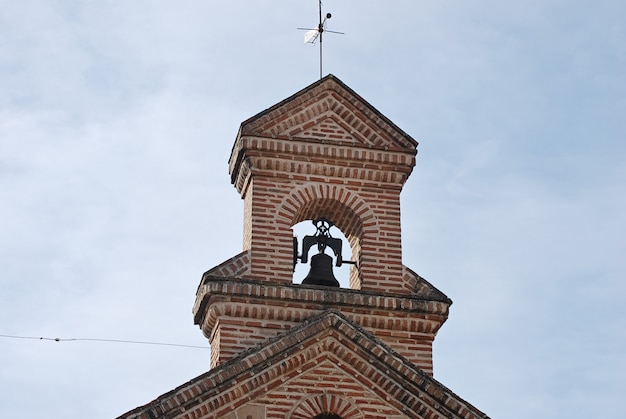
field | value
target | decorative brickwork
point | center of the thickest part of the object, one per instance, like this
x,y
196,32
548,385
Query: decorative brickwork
x,y
324,403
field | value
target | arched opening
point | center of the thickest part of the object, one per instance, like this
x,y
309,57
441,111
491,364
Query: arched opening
x,y
327,416
349,213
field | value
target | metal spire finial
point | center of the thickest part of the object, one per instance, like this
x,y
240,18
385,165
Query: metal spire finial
x,y
312,35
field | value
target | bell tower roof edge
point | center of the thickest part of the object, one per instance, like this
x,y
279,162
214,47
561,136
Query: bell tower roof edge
x,y
331,82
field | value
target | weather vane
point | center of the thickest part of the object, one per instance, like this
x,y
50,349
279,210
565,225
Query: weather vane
x,y
313,34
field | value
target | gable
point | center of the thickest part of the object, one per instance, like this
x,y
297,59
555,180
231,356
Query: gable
x,y
329,384
327,359
331,112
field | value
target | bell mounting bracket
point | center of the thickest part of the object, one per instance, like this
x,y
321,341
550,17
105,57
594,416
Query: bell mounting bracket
x,y
322,238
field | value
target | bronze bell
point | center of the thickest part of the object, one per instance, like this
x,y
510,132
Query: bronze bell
x,y
321,272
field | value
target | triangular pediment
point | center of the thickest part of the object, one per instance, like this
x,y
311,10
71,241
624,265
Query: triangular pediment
x,y
331,112
327,359
329,127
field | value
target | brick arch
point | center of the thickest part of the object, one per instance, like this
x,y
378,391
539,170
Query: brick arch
x,y
350,213
325,403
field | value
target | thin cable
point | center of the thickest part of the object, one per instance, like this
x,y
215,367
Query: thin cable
x,y
103,340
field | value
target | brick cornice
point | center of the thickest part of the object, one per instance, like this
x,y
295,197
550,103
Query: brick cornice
x,y
289,157
249,293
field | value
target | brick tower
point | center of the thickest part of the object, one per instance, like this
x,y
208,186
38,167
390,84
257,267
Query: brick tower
x,y
281,349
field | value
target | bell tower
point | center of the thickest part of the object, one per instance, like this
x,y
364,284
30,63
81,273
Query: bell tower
x,y
323,154
310,349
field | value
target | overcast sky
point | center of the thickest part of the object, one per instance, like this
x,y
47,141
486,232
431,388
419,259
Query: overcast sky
x,y
116,124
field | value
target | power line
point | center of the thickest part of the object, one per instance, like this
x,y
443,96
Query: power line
x,y
103,340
